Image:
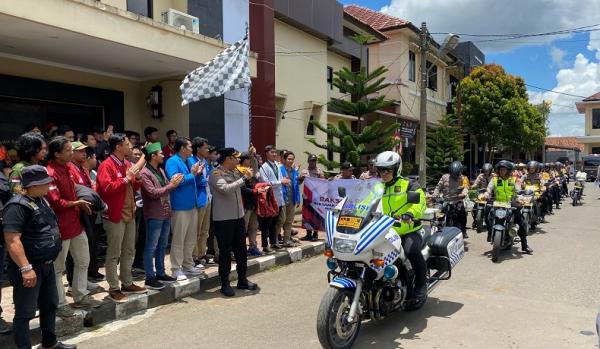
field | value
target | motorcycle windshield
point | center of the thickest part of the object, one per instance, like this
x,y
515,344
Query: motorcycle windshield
x,y
361,202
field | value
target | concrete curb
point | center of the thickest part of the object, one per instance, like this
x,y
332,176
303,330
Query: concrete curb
x,y
110,311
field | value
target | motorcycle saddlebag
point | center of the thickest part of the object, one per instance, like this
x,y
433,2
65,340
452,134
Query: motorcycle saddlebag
x,y
448,243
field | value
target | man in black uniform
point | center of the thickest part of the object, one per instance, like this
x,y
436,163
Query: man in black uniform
x,y
33,243
4,197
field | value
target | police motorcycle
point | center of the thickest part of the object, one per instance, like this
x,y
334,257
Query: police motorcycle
x,y
369,275
480,206
577,192
532,208
504,230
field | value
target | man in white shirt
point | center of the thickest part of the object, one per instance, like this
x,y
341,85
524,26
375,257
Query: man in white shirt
x,y
271,173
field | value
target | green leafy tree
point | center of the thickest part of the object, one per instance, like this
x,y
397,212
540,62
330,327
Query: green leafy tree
x,y
371,139
444,145
495,109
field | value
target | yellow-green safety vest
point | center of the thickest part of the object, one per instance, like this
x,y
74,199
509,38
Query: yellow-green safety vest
x,y
394,203
504,189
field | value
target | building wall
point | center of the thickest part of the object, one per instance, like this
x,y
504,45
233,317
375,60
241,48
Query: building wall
x,y
394,54
589,131
137,114
302,79
337,62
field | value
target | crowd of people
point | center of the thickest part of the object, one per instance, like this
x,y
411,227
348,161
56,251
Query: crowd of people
x,y
115,199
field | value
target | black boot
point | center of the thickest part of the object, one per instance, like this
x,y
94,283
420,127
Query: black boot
x,y
489,237
465,235
419,299
244,284
226,289
526,249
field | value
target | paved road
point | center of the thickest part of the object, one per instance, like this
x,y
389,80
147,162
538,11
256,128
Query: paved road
x,y
548,300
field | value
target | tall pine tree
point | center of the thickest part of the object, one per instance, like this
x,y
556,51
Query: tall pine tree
x,y
373,138
444,145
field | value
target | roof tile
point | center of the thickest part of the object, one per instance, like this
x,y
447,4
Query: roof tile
x,y
376,20
564,142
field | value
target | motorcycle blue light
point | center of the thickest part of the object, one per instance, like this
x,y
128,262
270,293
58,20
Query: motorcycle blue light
x,y
390,272
331,263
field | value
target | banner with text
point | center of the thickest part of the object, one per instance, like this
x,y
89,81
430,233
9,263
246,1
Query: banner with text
x,y
321,195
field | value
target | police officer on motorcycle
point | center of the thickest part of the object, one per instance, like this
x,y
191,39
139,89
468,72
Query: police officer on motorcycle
x,y
504,188
395,204
452,188
481,182
533,178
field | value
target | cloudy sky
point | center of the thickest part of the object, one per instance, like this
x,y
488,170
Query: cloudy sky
x,y
563,63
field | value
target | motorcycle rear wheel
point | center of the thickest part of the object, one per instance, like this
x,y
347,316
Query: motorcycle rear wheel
x,y
497,246
333,329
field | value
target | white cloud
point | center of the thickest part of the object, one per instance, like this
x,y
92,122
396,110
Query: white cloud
x,y
497,17
557,56
582,78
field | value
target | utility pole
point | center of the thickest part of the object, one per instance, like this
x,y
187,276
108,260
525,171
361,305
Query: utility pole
x,y
423,46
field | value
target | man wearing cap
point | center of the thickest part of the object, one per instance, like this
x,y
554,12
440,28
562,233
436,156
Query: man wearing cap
x,y
157,212
33,242
228,215
80,175
63,200
312,171
346,171
371,171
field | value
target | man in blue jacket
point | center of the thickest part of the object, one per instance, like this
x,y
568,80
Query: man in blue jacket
x,y
200,151
184,217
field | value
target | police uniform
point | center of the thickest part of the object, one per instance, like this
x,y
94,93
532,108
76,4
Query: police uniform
x,y
394,204
455,189
228,217
36,223
535,180
505,190
482,181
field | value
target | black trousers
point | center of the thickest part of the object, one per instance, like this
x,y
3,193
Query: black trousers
x,y
268,230
140,239
43,296
461,216
231,237
412,248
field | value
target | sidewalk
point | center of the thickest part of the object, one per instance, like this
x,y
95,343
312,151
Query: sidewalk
x,y
109,310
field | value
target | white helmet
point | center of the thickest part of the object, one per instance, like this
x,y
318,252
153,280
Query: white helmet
x,y
391,160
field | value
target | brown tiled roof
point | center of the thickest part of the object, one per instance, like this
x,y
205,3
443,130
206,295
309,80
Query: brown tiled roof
x,y
594,97
376,20
564,142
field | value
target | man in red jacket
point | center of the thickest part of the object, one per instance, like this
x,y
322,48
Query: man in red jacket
x,y
63,201
117,182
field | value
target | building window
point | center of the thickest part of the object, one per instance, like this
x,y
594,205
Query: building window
x,y
141,7
431,76
330,77
412,66
310,128
595,118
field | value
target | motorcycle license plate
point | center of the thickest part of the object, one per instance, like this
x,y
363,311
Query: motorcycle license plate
x,y
349,222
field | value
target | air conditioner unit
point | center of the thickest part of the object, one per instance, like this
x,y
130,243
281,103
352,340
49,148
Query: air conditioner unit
x,y
181,20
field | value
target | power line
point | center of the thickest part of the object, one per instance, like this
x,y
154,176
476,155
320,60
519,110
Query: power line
x,y
560,93
582,29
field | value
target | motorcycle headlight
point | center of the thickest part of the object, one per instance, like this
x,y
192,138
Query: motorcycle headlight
x,y
501,214
344,245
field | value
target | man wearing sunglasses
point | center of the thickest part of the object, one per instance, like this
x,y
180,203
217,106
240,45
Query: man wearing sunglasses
x,y
395,204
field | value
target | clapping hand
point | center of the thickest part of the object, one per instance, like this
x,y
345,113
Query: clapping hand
x,y
176,180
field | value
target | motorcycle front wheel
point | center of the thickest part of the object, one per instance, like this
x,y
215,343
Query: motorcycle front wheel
x,y
479,221
497,246
333,329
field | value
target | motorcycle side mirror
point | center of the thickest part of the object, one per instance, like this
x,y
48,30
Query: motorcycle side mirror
x,y
413,197
342,192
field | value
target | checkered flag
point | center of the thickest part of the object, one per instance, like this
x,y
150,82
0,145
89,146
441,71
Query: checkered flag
x,y
227,71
